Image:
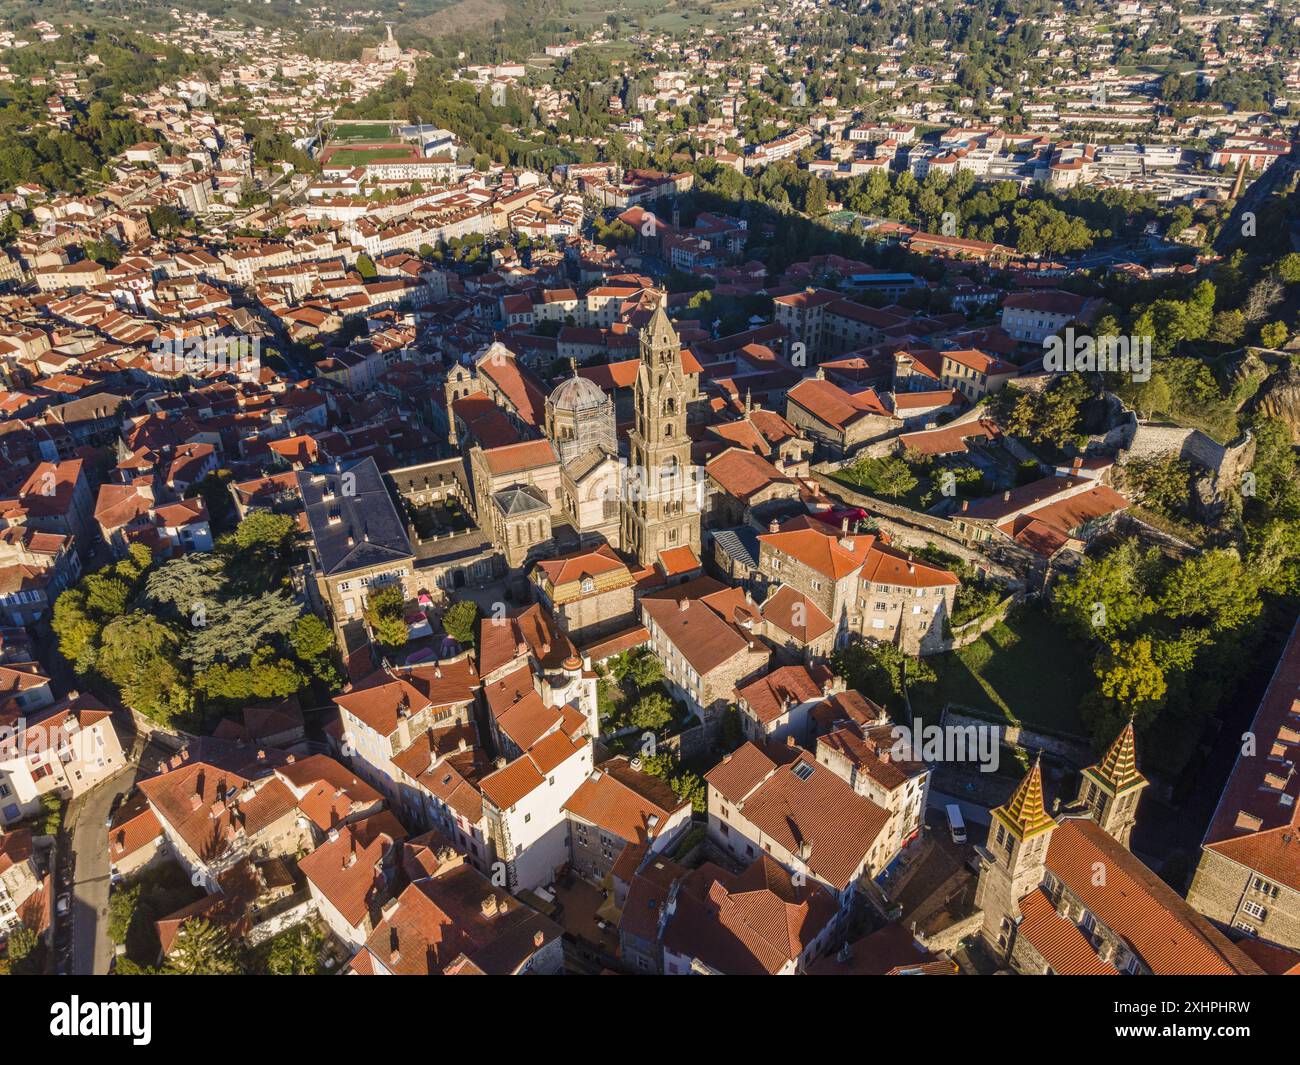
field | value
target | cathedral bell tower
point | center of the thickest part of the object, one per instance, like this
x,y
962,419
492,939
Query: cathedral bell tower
x,y
660,504
1111,789
1014,860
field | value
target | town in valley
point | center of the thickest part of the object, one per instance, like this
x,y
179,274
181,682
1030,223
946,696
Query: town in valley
x,y
710,487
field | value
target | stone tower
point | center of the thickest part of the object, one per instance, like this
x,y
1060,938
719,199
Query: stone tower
x,y
1111,789
1015,859
660,506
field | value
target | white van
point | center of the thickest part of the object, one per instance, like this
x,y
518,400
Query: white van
x,y
956,825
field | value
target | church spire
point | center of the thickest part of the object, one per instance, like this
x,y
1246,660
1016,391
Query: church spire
x,y
1110,790
1024,814
1118,769
659,337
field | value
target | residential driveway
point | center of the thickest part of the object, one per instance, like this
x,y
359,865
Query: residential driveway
x,y
91,948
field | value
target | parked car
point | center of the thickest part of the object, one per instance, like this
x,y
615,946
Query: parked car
x,y
956,823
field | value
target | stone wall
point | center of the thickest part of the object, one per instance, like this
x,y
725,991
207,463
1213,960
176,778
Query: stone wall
x,y
1075,751
973,630
1225,461
948,939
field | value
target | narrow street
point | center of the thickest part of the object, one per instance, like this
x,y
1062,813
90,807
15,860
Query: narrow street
x,y
91,947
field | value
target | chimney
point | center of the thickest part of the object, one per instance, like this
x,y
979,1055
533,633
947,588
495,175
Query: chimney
x,y
965,505
538,939
501,763
489,905
773,526
683,604
462,744
1006,497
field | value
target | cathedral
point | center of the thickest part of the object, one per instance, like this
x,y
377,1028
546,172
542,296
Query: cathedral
x,y
562,450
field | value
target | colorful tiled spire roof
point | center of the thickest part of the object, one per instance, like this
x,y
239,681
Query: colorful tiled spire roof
x,y
1024,812
1118,770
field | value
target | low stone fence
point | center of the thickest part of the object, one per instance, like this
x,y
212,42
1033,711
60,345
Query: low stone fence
x,y
163,735
1074,750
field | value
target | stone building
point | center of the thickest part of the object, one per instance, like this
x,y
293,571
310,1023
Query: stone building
x,y
618,805
590,592
520,523
860,585
838,422
358,541
706,654
660,504
591,485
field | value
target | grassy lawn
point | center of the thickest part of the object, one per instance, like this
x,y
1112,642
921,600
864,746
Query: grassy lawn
x,y
357,156
1026,670
362,131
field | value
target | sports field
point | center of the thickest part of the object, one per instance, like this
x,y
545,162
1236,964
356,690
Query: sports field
x,y
362,131
373,153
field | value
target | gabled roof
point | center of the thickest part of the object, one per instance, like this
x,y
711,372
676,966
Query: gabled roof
x,y
1135,904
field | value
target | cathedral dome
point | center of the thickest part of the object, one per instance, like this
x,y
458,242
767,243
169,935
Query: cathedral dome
x,y
578,394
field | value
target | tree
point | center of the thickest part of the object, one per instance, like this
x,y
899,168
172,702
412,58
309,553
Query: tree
x,y
123,905
1288,268
233,630
138,653
1213,587
78,633
165,219
460,622
881,671
181,585
52,807
815,204
888,476
1163,483
264,529
1227,327
293,952
1274,334
1129,675
313,644
202,949
386,613
651,712
264,677
690,787
1048,417
1109,594
20,945
1264,295
640,665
